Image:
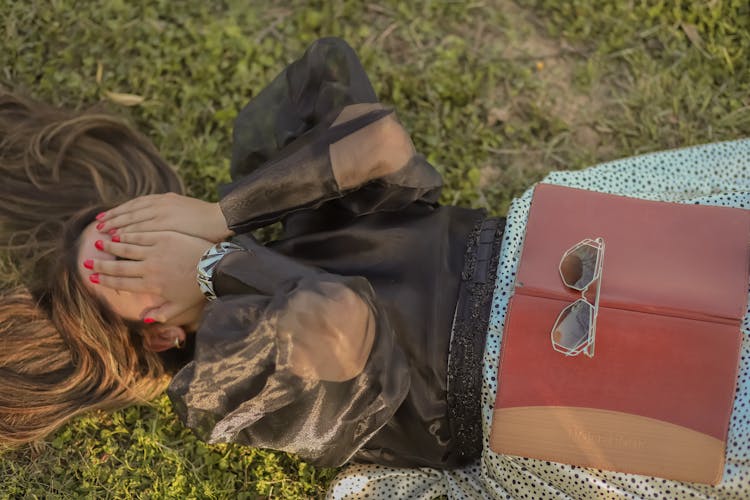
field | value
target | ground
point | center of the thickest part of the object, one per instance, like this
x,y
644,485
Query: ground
x,y
496,93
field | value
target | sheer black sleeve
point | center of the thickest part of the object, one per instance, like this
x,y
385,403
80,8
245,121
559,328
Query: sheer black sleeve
x,y
364,158
291,358
327,78
317,134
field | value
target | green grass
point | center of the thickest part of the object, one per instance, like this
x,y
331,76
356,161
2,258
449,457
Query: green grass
x,y
495,93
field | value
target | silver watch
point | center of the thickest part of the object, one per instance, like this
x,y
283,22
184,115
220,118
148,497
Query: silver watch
x,y
208,263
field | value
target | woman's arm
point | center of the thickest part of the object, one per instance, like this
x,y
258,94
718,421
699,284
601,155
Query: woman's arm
x,y
292,358
287,356
314,135
283,165
363,158
327,321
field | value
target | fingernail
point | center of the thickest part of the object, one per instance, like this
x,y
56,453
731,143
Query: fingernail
x,y
112,231
99,245
149,320
101,215
88,264
99,226
116,239
94,278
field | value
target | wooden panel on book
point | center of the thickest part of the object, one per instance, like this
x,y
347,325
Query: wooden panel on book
x,y
608,440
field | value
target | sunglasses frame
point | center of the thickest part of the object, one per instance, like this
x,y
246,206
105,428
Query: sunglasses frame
x,y
587,345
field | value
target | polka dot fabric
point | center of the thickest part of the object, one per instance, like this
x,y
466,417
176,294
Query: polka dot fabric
x,y
713,174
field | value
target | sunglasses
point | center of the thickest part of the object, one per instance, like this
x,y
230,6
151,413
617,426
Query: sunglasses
x,y
574,331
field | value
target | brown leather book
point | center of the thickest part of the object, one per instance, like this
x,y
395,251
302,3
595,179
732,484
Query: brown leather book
x,y
656,396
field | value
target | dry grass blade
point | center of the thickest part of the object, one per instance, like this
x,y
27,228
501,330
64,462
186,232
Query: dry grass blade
x,y
691,31
124,99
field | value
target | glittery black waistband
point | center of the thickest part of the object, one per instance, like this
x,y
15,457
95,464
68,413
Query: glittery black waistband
x,y
468,336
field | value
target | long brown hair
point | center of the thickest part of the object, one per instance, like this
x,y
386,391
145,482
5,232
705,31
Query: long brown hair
x,y
62,352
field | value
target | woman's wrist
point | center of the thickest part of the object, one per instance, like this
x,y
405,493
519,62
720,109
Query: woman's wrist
x,y
219,221
208,263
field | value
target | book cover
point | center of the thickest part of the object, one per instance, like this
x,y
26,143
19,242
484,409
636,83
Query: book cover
x,y
656,397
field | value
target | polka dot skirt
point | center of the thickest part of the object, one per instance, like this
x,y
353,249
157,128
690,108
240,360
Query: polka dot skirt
x,y
713,174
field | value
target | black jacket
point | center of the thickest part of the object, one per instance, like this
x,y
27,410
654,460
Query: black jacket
x,y
333,341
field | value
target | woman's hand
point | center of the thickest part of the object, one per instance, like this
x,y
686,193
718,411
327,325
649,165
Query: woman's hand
x,y
166,212
161,263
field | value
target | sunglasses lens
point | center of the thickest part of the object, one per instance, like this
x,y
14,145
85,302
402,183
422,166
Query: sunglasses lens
x,y
578,266
572,329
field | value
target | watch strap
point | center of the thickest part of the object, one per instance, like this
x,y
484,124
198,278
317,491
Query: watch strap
x,y
208,262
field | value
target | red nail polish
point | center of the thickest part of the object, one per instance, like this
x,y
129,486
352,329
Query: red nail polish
x,y
99,226
148,321
101,215
94,278
99,245
116,238
88,264
112,231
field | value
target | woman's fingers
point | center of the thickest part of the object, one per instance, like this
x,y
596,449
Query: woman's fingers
x,y
127,220
156,224
129,246
135,204
137,210
138,285
166,312
125,274
145,239
122,250
119,268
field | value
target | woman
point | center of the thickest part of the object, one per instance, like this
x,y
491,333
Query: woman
x,y
340,331
366,375
357,336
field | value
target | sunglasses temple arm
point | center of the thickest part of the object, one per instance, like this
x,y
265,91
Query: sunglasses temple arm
x,y
600,265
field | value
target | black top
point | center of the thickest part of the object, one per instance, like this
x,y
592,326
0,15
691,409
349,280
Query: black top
x,y
333,341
